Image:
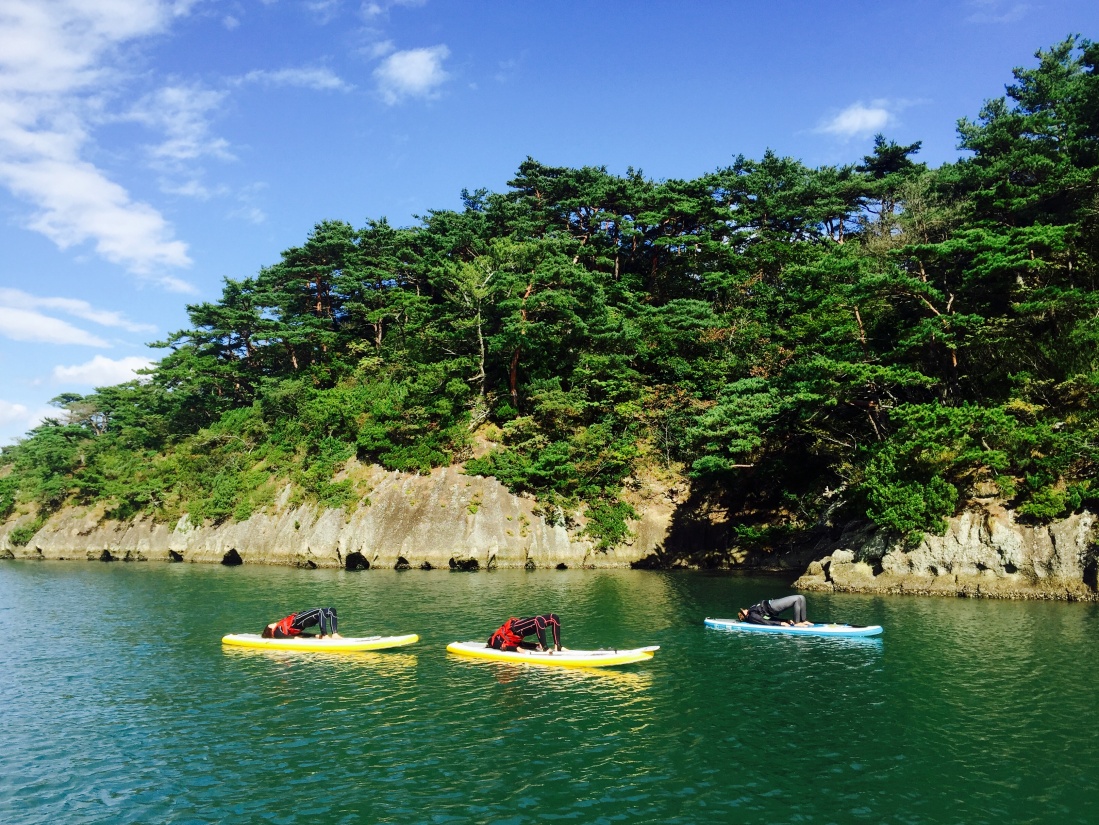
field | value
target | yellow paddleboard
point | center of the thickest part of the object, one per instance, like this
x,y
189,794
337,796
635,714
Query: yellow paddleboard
x,y
318,645
562,658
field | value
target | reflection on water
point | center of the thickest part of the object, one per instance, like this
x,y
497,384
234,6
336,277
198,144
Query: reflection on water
x,y
593,679
124,707
384,664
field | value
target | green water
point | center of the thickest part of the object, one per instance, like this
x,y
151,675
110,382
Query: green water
x,y
121,706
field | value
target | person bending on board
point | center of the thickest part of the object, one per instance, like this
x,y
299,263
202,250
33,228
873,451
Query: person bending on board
x,y
293,625
768,610
509,636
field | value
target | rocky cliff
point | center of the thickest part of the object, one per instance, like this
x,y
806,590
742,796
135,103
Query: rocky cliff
x,y
442,520
450,520
985,552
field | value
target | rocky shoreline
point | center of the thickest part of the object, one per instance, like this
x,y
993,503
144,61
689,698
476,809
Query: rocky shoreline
x,y
985,553
442,520
448,520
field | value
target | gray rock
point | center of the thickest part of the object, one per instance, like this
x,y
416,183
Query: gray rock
x,y
984,553
442,520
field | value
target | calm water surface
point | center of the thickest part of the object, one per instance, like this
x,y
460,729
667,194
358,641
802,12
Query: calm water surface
x,y
119,704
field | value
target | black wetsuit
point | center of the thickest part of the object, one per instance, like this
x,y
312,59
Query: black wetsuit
x,y
767,611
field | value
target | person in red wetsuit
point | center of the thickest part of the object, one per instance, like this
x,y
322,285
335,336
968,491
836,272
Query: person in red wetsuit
x,y
295,623
509,636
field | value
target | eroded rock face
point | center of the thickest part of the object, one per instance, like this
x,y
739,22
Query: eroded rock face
x,y
985,552
445,520
450,521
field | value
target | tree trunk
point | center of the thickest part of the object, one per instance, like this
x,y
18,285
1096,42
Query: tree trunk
x,y
513,377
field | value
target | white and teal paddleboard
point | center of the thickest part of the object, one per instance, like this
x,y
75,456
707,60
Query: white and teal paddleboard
x,y
790,630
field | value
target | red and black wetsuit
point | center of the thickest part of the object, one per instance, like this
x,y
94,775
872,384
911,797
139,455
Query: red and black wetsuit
x,y
295,623
510,634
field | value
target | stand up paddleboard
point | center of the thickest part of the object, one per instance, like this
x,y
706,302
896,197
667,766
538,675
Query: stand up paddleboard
x,y
790,630
315,644
561,658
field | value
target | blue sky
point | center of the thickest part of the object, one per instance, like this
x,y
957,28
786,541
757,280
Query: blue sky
x,y
151,148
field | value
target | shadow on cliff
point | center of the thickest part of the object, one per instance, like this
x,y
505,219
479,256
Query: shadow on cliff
x,y
731,528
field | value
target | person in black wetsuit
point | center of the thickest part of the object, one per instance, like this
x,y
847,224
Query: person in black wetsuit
x,y
768,610
295,623
509,636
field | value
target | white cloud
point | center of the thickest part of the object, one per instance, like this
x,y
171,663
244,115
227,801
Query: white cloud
x,y
28,325
320,79
377,8
997,11
192,188
506,70
859,120
17,299
325,10
378,49
78,204
412,73
11,413
55,63
181,112
173,284
14,415
251,214
101,371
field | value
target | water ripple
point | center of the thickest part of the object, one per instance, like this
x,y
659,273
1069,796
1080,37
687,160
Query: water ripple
x,y
123,707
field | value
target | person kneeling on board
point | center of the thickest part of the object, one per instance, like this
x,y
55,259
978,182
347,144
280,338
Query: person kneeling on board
x,y
295,623
768,610
509,636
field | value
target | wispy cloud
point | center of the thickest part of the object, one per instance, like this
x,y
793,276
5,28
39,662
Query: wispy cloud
x,y
997,11
55,62
101,371
307,78
182,114
192,188
250,214
12,413
859,119
379,48
248,211
29,325
77,204
412,73
378,8
325,11
17,299
31,318
506,70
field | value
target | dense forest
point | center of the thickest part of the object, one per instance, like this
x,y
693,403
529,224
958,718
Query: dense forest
x,y
881,340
